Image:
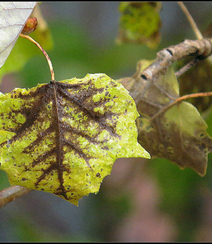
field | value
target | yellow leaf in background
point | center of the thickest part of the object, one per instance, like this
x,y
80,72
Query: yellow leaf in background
x,y
140,23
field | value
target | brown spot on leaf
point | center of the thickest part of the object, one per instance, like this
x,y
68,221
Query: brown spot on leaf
x,y
162,138
49,104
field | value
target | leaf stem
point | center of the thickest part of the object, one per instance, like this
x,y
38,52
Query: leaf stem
x,y
191,21
44,52
180,99
186,67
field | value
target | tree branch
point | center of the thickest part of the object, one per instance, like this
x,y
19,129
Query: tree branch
x,y
180,99
198,49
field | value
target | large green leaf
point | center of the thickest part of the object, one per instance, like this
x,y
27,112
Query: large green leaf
x,y
63,137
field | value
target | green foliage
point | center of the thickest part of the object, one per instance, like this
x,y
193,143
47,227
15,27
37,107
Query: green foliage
x,y
180,195
140,23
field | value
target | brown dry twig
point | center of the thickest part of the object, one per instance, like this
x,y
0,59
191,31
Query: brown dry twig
x,y
11,193
198,49
191,21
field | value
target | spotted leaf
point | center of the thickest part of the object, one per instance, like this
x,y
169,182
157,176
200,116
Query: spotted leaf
x,y
63,137
178,133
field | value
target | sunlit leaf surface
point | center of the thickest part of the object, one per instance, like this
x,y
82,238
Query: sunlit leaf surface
x,y
63,137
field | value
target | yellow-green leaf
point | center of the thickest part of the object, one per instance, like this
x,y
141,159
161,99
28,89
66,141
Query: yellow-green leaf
x,y
63,137
140,23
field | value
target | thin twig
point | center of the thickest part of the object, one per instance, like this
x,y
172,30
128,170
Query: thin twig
x,y
11,193
45,54
180,99
193,26
191,21
186,67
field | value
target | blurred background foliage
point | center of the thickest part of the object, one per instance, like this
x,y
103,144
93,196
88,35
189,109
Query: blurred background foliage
x,y
141,200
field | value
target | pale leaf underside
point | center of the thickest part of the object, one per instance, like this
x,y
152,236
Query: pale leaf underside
x,y
13,16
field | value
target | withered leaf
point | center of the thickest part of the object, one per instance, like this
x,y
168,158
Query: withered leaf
x,y
63,137
178,133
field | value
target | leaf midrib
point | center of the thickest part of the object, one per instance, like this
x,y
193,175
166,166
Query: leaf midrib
x,y
58,139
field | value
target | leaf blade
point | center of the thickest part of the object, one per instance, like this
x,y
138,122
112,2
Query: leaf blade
x,y
178,133
67,141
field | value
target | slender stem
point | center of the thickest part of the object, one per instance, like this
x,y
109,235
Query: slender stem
x,y
180,99
191,20
186,67
11,193
193,26
45,54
